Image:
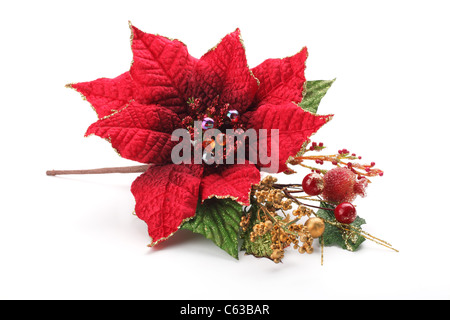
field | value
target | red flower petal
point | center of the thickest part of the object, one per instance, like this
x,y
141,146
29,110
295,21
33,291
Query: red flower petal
x,y
223,71
139,132
166,196
106,95
161,69
234,181
295,126
281,80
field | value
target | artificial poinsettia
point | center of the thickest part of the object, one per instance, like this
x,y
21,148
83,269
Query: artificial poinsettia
x,y
167,89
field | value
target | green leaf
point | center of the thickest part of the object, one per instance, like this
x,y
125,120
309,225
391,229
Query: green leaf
x,y
261,246
335,236
218,220
314,92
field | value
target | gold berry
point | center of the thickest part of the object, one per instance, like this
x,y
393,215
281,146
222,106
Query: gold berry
x,y
315,226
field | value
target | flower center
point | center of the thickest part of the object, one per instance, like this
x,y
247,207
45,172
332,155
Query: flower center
x,y
217,116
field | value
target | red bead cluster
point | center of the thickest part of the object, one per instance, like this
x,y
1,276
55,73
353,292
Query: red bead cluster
x,y
316,146
217,114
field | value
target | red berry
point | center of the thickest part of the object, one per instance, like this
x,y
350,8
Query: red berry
x,y
345,213
313,184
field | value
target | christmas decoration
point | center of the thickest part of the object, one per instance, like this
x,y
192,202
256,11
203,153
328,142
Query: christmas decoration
x,y
227,196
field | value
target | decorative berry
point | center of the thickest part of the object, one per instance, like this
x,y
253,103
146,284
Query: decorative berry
x,y
345,213
315,226
342,185
207,123
313,184
233,115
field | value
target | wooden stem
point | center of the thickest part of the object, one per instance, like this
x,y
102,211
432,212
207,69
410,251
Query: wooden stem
x,y
133,169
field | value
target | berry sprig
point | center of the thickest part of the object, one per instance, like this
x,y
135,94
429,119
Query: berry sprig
x,y
343,158
282,214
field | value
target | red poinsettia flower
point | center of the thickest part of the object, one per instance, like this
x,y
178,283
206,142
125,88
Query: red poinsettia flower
x,y
139,110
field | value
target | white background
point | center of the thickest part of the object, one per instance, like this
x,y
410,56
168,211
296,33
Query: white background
x,y
76,237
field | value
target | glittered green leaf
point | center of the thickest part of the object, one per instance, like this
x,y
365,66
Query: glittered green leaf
x,y
218,220
314,92
333,235
261,246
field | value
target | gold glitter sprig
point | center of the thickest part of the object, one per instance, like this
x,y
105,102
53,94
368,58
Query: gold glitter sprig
x,y
281,214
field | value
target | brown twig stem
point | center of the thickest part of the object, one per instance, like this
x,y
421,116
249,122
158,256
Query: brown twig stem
x,y
286,185
132,169
290,196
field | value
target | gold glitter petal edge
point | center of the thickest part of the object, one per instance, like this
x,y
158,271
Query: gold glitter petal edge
x,y
304,69
234,198
222,197
70,86
107,139
118,111
241,40
154,243
130,25
328,118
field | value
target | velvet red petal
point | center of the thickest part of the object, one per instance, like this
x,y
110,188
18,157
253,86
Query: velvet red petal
x,y
166,196
139,132
294,125
233,181
161,69
107,95
223,71
281,80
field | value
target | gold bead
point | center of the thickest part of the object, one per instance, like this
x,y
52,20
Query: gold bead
x,y
315,226
276,254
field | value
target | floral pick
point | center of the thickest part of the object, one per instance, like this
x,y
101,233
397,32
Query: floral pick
x,y
166,89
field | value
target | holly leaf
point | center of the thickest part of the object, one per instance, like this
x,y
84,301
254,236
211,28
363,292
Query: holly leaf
x,y
260,247
314,92
333,235
218,220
